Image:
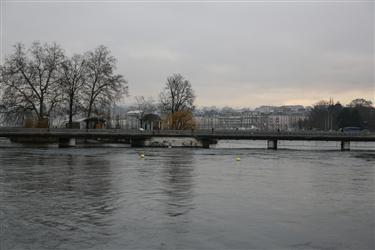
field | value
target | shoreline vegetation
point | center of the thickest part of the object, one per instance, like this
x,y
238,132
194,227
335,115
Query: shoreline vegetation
x,y
42,87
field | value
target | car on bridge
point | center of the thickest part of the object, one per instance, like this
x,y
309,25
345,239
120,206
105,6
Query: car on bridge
x,y
354,130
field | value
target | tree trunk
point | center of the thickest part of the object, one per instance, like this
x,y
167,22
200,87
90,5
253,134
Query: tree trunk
x,y
41,111
89,113
71,112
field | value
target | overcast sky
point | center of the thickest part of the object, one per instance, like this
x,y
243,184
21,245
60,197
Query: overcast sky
x,y
236,54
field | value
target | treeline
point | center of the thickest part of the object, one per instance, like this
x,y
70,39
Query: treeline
x,y
327,115
176,104
42,81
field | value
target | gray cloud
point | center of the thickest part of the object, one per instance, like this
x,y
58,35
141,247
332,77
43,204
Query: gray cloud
x,y
241,54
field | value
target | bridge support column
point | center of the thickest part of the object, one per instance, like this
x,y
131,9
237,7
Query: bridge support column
x,y
67,142
137,142
272,144
205,143
345,145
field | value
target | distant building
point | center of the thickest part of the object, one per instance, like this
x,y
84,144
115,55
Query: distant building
x,y
130,120
262,118
285,121
133,120
265,109
251,120
151,122
94,123
206,122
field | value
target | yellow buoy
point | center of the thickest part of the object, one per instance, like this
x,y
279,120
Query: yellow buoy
x,y
238,158
142,155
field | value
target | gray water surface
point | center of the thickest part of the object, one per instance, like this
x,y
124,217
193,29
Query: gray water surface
x,y
110,198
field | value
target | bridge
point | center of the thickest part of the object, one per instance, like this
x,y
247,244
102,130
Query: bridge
x,y
203,138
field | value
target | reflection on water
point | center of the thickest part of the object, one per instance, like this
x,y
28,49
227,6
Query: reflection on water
x,y
178,171
110,198
51,197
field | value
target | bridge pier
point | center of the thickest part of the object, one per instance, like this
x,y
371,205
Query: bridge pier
x,y
345,145
272,144
67,142
205,143
137,142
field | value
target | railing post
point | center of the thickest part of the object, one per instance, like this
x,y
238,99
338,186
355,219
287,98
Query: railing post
x,y
345,145
272,144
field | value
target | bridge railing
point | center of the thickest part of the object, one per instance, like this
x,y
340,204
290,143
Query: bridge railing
x,y
192,132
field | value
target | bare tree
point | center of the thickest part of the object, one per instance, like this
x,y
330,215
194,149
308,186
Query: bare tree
x,y
102,86
360,102
12,116
30,79
180,120
144,106
72,82
177,95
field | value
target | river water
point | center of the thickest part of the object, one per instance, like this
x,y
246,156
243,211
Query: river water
x,y
111,198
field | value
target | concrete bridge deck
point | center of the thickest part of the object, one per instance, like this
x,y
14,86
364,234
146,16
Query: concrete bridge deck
x,y
201,134
207,137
